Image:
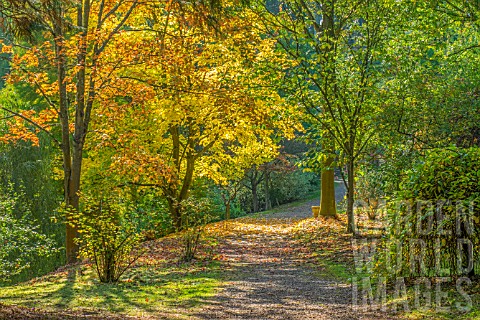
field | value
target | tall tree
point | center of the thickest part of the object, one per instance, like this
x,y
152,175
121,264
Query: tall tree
x,y
64,67
206,89
335,47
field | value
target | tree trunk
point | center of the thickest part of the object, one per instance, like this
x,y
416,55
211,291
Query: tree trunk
x,y
176,213
69,185
268,202
75,168
254,196
350,197
255,177
327,201
227,210
178,190
328,206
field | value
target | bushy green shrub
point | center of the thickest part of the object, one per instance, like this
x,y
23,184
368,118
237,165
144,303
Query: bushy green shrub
x,y
434,222
236,210
150,211
196,214
21,243
200,208
292,186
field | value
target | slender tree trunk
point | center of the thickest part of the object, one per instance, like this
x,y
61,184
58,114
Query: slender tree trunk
x,y
351,196
188,178
254,196
175,200
268,202
177,192
172,190
227,210
255,177
176,214
69,185
228,196
75,167
173,207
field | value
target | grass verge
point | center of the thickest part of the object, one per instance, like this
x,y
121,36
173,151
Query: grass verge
x,y
152,288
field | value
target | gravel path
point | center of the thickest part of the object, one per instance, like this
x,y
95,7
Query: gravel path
x,y
269,281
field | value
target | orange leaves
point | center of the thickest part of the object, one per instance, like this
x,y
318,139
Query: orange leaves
x,y
33,66
140,167
19,132
47,117
184,75
167,69
19,128
6,49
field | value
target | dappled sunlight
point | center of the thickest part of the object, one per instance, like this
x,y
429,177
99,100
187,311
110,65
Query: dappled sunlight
x,y
262,261
247,225
252,225
142,291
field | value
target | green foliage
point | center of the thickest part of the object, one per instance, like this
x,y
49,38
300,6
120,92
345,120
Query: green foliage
x,y
292,186
109,237
206,189
29,170
4,64
436,217
284,187
151,215
21,241
26,175
316,155
370,188
236,210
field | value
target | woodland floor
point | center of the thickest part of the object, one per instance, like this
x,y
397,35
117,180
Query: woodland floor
x,y
277,276
277,265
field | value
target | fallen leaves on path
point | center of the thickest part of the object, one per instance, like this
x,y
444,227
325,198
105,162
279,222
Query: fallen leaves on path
x,y
274,266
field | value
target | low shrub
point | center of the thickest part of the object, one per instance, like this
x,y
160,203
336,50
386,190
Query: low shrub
x,y
369,190
197,213
109,237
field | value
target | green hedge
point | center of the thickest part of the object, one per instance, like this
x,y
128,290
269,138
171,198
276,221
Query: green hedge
x,y
433,224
